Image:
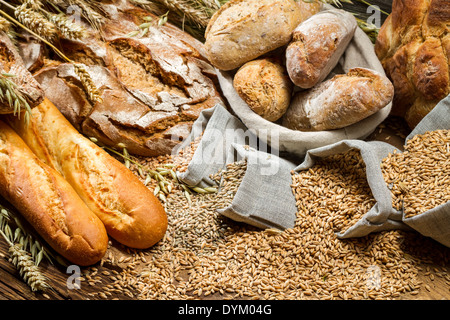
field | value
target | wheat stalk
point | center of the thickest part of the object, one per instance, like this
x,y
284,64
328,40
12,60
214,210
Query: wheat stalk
x,y
370,29
5,25
68,29
194,11
93,16
21,259
163,186
11,94
36,22
191,16
87,82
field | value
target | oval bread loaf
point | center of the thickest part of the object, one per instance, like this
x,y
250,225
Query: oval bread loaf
x,y
265,86
130,212
317,45
49,203
339,102
242,30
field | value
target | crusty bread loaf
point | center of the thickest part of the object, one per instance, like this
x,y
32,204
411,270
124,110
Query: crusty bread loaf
x,y
153,87
12,63
317,45
413,46
243,30
130,212
48,202
265,86
339,102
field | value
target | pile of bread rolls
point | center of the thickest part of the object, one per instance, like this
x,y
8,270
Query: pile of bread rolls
x,y
282,53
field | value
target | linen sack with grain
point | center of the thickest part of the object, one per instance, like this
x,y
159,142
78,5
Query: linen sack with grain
x,y
358,54
263,197
410,188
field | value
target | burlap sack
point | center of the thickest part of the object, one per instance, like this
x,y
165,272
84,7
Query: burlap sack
x,y
359,53
264,198
434,223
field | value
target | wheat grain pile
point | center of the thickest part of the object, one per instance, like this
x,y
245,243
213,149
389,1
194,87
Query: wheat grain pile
x,y
208,255
419,177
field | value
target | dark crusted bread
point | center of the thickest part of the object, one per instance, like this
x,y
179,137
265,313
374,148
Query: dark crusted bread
x,y
153,87
12,63
414,47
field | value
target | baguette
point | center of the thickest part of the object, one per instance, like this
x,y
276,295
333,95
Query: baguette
x,y
130,212
48,202
317,45
339,102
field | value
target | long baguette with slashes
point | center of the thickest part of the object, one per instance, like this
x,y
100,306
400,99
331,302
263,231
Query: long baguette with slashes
x,y
49,203
130,212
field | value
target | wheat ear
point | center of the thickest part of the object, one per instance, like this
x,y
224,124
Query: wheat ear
x,y
36,5
4,25
23,262
36,22
88,83
11,94
80,69
194,13
68,29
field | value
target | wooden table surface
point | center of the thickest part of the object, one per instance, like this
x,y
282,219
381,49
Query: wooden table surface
x,y
12,286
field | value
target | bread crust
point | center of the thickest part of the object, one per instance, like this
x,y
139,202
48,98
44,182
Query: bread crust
x,y
153,88
412,46
265,86
339,102
243,30
48,202
317,45
132,215
12,63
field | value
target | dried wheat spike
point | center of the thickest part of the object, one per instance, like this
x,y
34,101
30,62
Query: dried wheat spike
x,y
4,25
33,4
27,269
68,29
36,22
88,83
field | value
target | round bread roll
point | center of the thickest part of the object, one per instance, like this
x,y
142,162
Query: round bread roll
x,y
265,86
